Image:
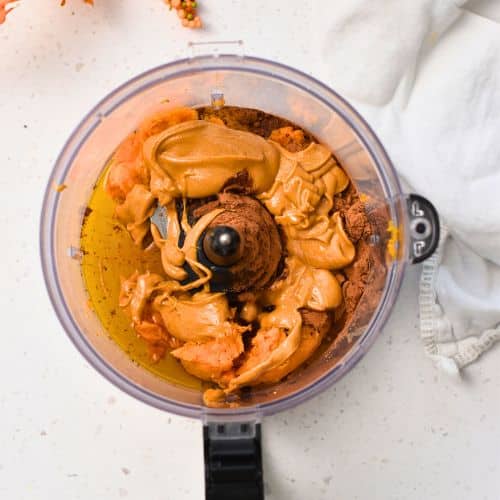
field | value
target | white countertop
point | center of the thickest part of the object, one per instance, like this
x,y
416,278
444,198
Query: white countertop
x,y
393,428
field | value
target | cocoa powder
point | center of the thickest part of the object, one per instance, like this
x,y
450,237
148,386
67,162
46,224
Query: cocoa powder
x,y
262,249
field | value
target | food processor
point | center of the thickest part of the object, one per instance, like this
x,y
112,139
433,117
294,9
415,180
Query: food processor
x,y
232,436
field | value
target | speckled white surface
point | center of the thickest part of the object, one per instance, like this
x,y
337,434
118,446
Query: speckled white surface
x,y
392,429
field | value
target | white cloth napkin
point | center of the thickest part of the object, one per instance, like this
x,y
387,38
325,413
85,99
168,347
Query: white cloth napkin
x,y
426,74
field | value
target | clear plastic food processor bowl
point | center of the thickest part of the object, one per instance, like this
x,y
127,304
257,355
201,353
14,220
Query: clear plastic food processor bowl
x,y
246,82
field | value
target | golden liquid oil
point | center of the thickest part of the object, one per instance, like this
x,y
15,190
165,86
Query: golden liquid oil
x,y
108,254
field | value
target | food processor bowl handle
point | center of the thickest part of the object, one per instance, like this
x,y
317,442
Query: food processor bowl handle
x,y
423,228
233,461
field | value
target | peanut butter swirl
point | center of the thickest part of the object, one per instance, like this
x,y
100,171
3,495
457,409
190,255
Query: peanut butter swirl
x,y
196,158
301,199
